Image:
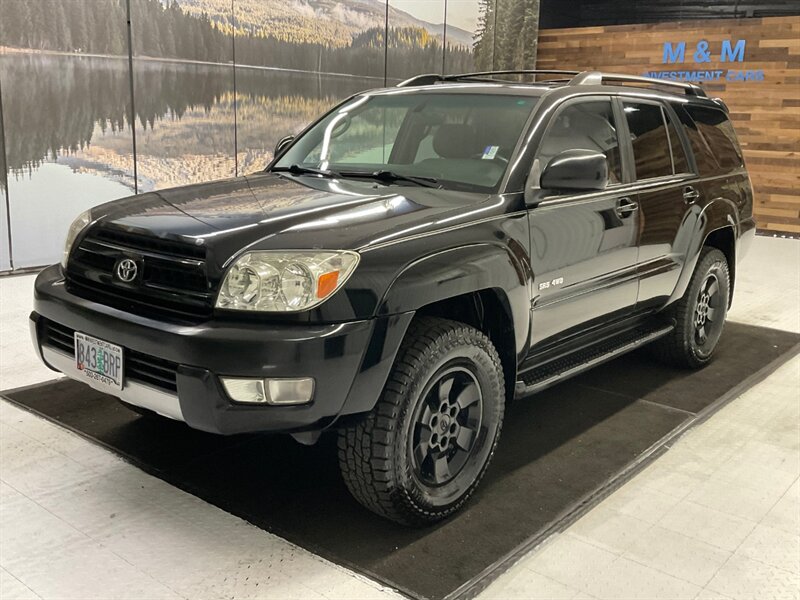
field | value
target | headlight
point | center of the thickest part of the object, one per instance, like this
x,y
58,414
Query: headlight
x,y
285,281
81,221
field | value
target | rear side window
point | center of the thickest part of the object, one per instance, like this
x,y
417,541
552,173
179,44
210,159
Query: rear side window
x,y
717,131
703,155
651,147
679,160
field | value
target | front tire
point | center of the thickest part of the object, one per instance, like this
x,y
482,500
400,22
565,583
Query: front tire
x,y
700,315
420,453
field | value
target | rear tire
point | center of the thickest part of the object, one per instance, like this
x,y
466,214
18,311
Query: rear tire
x,y
420,453
700,315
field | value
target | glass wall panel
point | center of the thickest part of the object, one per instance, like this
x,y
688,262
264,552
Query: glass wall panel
x,y
5,240
183,91
64,72
69,143
470,35
296,60
515,34
416,38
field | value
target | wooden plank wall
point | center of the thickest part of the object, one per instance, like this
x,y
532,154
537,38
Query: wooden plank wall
x,y
766,114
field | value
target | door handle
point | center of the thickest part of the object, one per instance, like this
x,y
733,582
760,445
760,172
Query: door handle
x,y
626,207
690,194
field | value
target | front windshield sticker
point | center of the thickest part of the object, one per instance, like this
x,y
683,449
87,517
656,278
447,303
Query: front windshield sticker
x,y
489,152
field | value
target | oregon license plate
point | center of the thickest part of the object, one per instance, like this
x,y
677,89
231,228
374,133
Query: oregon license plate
x,y
99,360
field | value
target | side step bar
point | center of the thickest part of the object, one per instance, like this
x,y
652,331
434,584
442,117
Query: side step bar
x,y
557,370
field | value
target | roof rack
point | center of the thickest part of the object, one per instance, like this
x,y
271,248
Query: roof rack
x,y
577,78
598,78
481,74
488,76
425,79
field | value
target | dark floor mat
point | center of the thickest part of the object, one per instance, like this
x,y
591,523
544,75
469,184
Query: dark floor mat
x,y
558,447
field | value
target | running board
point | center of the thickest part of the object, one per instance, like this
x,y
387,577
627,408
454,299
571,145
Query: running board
x,y
557,370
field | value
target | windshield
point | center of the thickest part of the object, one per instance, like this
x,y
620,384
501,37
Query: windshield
x,y
452,140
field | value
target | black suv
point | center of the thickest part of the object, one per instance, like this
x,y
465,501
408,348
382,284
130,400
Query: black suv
x,y
409,263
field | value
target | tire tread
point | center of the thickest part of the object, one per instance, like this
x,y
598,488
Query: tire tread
x,y
365,447
674,349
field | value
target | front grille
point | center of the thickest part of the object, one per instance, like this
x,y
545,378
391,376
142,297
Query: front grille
x,y
155,372
58,337
172,284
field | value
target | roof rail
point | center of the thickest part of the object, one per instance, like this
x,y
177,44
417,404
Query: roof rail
x,y
431,78
721,103
424,79
598,78
577,78
509,72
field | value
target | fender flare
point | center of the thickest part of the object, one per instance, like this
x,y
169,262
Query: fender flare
x,y
698,224
460,270
438,276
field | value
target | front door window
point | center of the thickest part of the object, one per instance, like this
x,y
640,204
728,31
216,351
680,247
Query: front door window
x,y
584,126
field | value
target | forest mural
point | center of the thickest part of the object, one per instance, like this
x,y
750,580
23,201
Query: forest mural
x,y
214,84
506,35
173,30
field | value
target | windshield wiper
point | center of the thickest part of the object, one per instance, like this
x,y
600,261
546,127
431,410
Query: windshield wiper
x,y
301,170
391,176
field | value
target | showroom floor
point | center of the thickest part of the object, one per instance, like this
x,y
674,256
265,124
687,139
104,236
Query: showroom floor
x,y
718,516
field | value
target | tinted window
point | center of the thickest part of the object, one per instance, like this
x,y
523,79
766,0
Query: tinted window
x,y
679,160
584,126
718,132
703,156
651,150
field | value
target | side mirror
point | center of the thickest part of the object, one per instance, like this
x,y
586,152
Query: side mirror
x,y
282,144
576,170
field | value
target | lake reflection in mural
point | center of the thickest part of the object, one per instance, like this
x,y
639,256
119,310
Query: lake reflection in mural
x,y
82,135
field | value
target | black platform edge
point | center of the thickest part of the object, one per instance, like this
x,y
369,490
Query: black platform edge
x,y
480,582
32,386
359,570
572,514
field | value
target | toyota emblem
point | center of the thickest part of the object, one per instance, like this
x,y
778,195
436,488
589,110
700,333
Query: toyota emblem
x,y
127,269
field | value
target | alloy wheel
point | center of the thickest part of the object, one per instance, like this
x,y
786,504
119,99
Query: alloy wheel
x,y
446,426
707,308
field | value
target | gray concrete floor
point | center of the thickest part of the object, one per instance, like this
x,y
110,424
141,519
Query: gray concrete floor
x,y
718,516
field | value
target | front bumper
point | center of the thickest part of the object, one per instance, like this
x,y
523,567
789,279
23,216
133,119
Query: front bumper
x,y
348,361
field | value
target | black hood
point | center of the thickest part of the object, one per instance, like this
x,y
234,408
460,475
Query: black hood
x,y
267,211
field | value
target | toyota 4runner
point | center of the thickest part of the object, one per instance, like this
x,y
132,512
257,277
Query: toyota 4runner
x,y
409,263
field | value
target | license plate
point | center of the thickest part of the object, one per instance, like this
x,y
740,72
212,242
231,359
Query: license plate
x,y
99,360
